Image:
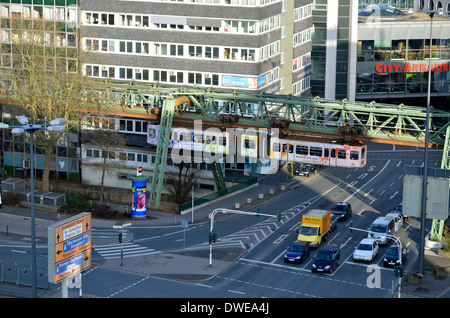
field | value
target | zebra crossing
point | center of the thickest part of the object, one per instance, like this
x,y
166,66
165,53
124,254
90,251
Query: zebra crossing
x,y
129,250
108,234
112,251
249,237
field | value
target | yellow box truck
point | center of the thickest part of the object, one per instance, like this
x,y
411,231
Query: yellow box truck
x,y
315,227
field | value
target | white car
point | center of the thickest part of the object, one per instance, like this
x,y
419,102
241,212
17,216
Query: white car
x,y
366,250
398,219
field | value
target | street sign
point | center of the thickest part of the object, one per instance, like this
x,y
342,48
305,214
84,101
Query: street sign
x,y
69,247
72,265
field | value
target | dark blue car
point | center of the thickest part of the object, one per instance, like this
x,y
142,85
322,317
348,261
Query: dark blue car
x,y
327,259
296,252
342,210
391,256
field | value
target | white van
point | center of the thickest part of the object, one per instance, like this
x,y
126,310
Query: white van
x,y
380,228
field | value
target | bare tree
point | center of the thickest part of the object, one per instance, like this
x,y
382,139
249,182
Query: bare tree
x,y
181,178
47,79
109,142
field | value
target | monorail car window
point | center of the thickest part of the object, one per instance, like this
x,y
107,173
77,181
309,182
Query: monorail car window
x,y
315,151
354,155
326,152
152,133
333,153
363,153
301,150
222,141
341,154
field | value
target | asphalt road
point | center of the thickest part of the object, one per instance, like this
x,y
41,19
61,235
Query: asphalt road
x,y
373,191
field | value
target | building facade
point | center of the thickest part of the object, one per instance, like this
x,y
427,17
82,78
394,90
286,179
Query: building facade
x,y
251,45
377,50
393,58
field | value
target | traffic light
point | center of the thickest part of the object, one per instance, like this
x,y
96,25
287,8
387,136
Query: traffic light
x,y
120,237
399,271
212,237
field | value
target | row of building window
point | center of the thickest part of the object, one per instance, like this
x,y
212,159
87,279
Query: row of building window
x,y
180,77
136,157
52,38
163,22
180,50
303,36
128,156
301,86
401,50
123,125
53,13
402,83
301,61
303,12
225,2
9,60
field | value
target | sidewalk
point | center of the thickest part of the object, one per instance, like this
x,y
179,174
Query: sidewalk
x,y
193,265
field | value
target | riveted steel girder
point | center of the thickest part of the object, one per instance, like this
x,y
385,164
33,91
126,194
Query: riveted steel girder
x,y
386,123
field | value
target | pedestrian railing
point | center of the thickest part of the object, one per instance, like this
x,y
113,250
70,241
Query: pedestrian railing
x,y
20,274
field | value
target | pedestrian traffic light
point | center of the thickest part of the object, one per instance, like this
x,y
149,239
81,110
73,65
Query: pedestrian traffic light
x,y
120,237
399,271
212,237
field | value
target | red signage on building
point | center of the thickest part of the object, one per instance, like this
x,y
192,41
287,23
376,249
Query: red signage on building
x,y
408,67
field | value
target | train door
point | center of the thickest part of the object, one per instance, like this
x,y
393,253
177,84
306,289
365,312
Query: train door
x,y
287,152
291,153
332,158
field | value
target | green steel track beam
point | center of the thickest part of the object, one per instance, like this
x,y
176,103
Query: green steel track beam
x,y
297,116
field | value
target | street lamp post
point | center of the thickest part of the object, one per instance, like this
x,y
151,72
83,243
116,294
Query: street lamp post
x,y
425,164
54,125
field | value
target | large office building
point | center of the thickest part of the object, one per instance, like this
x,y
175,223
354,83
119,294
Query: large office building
x,y
247,45
250,45
377,50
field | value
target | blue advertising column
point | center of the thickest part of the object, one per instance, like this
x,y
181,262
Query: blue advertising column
x,y
139,197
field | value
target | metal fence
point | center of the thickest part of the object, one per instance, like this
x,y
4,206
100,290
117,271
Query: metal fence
x,y
218,194
20,274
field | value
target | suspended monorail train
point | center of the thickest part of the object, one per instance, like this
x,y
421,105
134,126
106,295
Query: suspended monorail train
x,y
261,145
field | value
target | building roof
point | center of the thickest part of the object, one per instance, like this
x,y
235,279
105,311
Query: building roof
x,y
373,13
381,11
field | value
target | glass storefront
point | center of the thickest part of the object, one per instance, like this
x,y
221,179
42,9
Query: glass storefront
x,y
402,51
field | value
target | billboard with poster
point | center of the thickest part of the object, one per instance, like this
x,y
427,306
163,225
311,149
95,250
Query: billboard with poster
x,y
139,198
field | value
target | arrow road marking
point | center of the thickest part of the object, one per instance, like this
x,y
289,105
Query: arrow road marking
x,y
392,196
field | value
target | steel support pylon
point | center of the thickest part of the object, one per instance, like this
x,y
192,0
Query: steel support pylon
x,y
218,176
437,227
162,149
